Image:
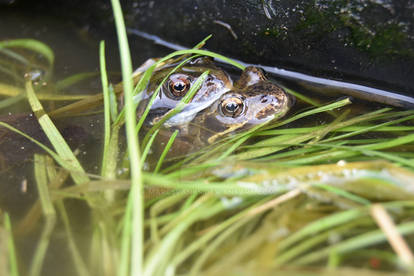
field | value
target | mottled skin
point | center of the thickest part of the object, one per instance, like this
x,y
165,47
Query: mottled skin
x,y
218,109
259,101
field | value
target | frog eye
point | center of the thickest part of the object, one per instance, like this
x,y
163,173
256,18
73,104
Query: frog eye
x,y
178,86
232,106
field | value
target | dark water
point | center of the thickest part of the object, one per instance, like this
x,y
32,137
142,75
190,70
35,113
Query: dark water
x,y
76,50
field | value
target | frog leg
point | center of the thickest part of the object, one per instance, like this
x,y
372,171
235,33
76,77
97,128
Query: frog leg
x,y
232,128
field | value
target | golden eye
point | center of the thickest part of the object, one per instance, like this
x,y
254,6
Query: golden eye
x,y
232,106
179,86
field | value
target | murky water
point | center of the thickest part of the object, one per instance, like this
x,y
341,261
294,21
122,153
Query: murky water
x,y
76,51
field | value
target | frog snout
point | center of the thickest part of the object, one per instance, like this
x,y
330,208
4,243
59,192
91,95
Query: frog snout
x,y
266,106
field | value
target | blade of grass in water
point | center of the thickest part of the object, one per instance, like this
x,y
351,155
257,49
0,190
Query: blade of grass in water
x,y
342,151
321,109
321,225
74,79
349,151
148,147
317,240
379,128
113,104
360,241
158,208
156,263
273,144
296,130
14,55
331,221
165,151
343,193
11,91
48,212
125,259
370,128
76,256
302,97
12,100
55,138
30,44
107,122
137,215
12,250
231,188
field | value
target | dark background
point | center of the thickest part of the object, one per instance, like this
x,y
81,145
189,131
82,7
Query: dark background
x,y
363,41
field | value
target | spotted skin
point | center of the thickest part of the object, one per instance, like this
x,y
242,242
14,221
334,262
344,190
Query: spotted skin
x,y
262,101
219,108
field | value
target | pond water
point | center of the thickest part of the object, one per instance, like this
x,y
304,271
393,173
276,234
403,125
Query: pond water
x,y
76,51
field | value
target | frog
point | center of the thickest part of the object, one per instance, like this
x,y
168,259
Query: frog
x,y
179,83
253,100
220,108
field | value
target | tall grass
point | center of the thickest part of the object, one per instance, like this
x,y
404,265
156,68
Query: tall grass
x,y
287,195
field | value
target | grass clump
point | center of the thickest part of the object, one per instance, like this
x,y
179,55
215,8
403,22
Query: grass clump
x,y
297,193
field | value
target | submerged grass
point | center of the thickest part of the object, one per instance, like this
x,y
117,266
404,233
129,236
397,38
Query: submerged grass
x,y
292,193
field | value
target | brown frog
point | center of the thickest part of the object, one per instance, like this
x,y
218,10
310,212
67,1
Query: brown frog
x,y
179,83
252,101
218,109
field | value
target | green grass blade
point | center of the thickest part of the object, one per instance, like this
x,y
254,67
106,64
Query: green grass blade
x,y
316,240
14,271
74,79
125,259
48,212
55,138
30,44
14,55
12,100
107,119
351,244
148,147
165,151
321,225
76,256
132,141
302,97
343,193
113,103
314,111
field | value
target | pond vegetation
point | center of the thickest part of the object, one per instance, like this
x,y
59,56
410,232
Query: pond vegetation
x,y
328,189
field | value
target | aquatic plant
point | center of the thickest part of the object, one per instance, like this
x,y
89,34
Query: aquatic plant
x,y
335,196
